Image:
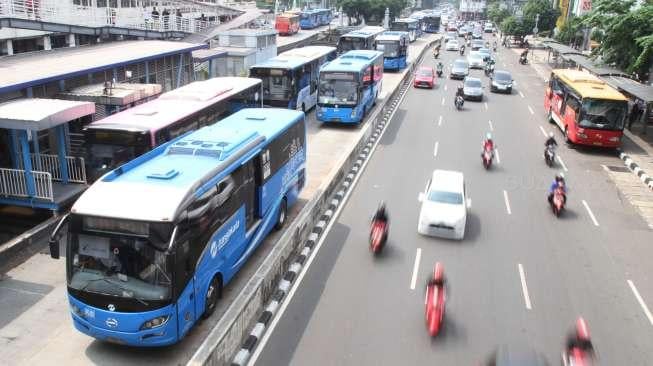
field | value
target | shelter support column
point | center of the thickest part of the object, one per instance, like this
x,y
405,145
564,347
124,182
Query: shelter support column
x,y
210,68
61,150
13,149
181,68
37,150
27,163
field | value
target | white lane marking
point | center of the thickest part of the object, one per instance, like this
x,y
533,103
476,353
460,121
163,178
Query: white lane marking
x,y
605,168
445,87
641,301
531,110
562,163
543,131
260,346
413,278
440,121
505,198
589,211
442,100
521,94
485,104
435,149
524,288
496,152
491,127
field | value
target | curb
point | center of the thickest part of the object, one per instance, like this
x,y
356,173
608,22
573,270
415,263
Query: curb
x,y
242,357
641,174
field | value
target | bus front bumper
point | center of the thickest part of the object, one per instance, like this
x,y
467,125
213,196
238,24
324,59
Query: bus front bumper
x,y
339,115
393,64
91,321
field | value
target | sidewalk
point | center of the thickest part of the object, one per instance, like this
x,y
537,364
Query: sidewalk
x,y
637,148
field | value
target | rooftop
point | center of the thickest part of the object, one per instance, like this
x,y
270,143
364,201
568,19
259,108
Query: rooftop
x,y
173,170
208,54
120,94
24,70
40,114
588,85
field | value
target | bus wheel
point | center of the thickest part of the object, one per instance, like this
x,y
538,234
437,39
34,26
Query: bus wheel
x,y
567,139
212,296
283,210
303,107
549,118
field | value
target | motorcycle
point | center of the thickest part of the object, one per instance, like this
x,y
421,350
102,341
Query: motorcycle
x,y
494,48
549,155
436,53
462,51
439,72
489,69
378,236
458,102
576,357
434,303
523,60
558,201
487,158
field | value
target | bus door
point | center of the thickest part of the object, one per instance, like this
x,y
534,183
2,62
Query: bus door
x,y
303,75
556,99
185,286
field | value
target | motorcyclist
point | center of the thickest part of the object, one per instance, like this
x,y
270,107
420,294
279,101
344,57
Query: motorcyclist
x,y
580,339
558,182
439,67
551,141
438,279
494,45
381,214
487,44
488,144
462,49
523,55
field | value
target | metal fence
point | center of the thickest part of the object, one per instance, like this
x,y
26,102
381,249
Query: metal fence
x,y
13,182
50,163
66,12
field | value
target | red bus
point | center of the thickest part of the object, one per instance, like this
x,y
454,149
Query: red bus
x,y
586,109
287,24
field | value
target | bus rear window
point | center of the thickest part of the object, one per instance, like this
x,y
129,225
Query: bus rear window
x,y
115,137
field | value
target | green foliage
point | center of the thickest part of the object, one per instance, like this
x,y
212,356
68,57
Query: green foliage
x,y
372,9
569,30
514,27
496,14
627,38
548,14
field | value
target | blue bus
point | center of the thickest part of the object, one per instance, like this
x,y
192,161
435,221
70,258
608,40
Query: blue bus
x,y
290,79
362,39
151,245
407,25
325,16
420,22
349,86
432,22
394,46
309,19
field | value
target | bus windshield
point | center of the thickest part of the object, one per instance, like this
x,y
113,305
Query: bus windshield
x,y
389,48
107,149
602,114
351,43
277,83
338,88
122,265
401,26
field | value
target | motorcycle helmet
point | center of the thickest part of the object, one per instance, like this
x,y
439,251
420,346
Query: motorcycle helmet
x,y
488,136
582,333
551,134
381,207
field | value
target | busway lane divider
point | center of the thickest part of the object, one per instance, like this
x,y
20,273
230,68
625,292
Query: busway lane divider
x,y
230,341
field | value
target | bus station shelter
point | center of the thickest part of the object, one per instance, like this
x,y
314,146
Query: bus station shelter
x,y
40,173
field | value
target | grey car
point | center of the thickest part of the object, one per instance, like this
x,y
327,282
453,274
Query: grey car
x,y
476,44
473,89
459,69
501,81
485,52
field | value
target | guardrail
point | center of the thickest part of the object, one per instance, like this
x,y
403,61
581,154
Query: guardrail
x,y
66,12
226,337
50,163
13,182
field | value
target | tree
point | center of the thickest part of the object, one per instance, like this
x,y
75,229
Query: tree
x,y
627,40
496,14
548,15
514,27
373,10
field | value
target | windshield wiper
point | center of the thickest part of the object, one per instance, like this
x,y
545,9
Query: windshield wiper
x,y
114,284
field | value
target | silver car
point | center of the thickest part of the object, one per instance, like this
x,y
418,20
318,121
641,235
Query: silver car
x,y
475,60
459,69
473,88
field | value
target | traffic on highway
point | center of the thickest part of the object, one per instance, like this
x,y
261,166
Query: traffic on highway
x,y
475,236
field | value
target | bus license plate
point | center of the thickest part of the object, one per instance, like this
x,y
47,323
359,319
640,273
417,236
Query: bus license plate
x,y
597,143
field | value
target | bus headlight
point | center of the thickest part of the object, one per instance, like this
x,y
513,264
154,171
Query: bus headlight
x,y
76,310
614,139
155,323
353,113
581,135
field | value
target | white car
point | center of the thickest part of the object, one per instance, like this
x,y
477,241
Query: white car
x,y
475,60
444,208
453,45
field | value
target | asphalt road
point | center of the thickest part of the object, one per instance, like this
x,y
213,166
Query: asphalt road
x,y
520,276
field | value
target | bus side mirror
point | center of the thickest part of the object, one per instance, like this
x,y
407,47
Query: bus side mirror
x,y
55,238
